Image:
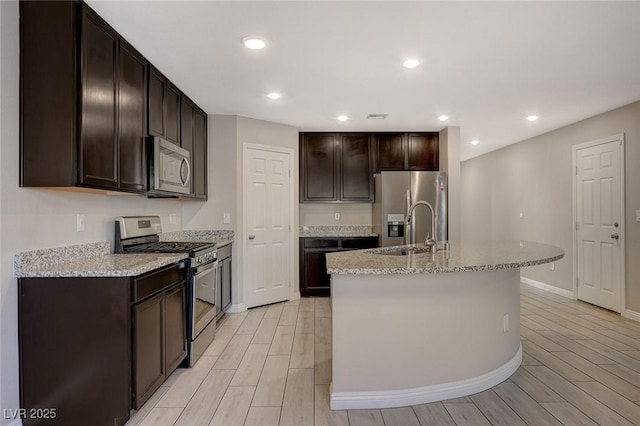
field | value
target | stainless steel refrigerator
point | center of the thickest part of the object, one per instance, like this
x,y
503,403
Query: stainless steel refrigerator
x,y
395,192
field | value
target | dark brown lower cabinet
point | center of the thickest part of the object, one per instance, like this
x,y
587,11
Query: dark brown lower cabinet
x,y
159,340
224,279
314,280
86,347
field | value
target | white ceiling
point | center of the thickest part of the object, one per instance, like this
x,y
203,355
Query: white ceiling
x,y
485,64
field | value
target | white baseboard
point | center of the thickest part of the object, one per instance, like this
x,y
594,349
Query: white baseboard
x,y
547,287
234,309
295,296
632,315
416,396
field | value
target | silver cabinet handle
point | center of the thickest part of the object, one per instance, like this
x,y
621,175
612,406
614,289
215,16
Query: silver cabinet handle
x,y
615,236
252,237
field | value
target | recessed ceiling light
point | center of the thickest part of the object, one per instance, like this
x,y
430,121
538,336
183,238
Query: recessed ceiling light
x,y
443,117
532,117
342,118
254,43
411,63
474,142
274,95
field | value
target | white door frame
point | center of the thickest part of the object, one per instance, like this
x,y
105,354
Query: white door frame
x,y
574,153
288,151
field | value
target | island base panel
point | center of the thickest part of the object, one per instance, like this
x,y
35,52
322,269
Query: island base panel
x,y
404,339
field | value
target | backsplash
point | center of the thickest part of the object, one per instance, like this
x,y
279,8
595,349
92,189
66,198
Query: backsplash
x,y
325,214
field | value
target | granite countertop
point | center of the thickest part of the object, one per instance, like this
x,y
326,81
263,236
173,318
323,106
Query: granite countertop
x,y
219,237
337,231
461,257
88,260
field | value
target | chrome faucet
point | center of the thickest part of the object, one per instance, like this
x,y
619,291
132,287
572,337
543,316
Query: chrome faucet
x,y
428,242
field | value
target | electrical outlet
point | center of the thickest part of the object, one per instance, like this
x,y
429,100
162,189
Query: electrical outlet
x,y
521,215
553,266
637,215
80,222
505,323
336,216
172,218
226,218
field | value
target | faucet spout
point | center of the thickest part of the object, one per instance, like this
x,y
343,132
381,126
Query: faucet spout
x,y
434,234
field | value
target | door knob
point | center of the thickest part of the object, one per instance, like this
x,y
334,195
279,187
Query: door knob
x,y
615,236
252,237
616,224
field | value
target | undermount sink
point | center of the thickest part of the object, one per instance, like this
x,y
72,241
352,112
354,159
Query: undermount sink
x,y
403,251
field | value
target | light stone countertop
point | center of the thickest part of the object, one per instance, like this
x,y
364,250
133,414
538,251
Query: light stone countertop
x,y
461,257
88,260
219,237
109,265
335,231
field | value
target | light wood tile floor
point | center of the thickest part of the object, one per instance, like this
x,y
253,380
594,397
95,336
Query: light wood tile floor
x,y
272,366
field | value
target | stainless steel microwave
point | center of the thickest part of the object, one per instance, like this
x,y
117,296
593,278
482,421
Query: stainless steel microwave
x,y
169,168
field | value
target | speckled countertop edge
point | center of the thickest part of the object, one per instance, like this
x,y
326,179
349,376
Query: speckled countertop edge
x,y
87,260
464,257
219,237
319,231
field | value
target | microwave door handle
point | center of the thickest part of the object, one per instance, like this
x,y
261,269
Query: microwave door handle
x,y
185,162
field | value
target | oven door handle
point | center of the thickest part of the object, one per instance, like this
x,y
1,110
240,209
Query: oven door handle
x,y
205,268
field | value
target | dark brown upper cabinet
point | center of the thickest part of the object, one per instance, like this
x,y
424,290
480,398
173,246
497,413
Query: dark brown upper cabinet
x,y
164,107
193,138
406,151
66,85
356,176
318,167
390,151
335,168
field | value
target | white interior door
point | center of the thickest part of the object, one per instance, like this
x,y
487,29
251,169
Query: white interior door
x,y
267,205
599,223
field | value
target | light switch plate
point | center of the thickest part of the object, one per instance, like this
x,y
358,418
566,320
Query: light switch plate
x,y
637,215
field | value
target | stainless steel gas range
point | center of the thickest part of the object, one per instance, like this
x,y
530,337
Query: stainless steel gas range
x,y
141,234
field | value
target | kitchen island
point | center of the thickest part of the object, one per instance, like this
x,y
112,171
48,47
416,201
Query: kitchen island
x,y
411,327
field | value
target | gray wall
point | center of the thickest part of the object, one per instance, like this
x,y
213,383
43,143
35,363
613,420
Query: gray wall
x,y
535,177
227,135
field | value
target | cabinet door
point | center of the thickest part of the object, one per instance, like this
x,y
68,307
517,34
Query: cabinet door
x,y
172,121
148,348
356,178
98,143
225,280
157,95
199,154
319,166
132,118
390,151
423,152
187,114
314,280
175,328
164,107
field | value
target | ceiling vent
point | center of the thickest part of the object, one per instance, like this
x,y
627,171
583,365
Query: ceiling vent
x,y
377,116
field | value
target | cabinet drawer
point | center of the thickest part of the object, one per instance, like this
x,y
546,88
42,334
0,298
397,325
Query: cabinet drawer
x,y
321,242
224,252
155,281
359,243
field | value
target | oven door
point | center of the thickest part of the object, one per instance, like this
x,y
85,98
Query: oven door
x,y
204,306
